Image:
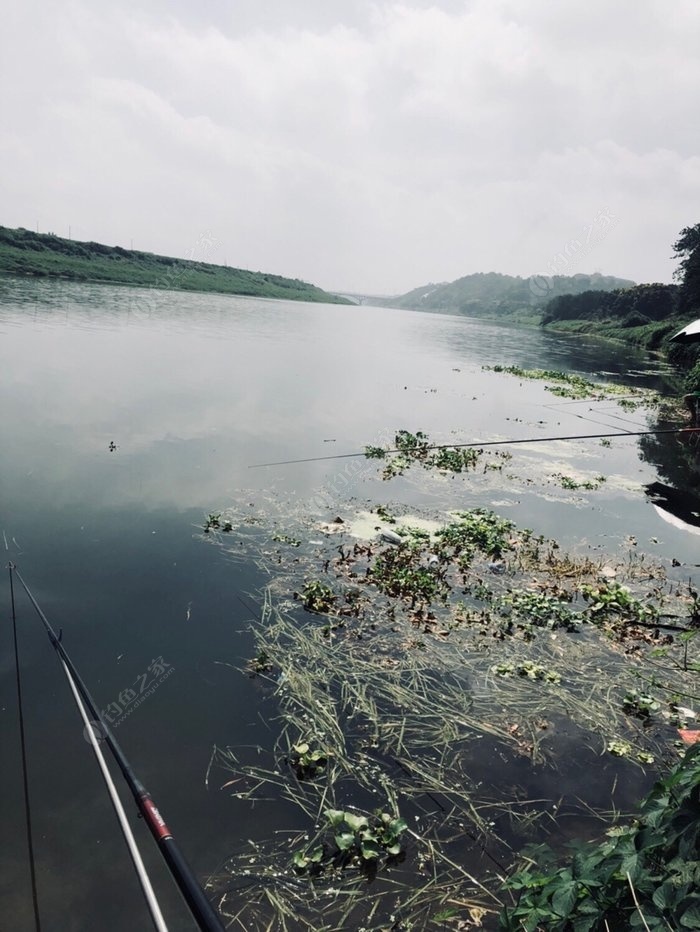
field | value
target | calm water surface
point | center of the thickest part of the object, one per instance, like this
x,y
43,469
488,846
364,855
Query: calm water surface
x,y
192,390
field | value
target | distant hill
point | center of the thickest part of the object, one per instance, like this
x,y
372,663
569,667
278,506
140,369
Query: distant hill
x,y
490,294
23,252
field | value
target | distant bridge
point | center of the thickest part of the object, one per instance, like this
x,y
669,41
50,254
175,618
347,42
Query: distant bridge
x,y
364,298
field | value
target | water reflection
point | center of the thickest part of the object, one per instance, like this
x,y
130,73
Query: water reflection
x,y
675,457
680,509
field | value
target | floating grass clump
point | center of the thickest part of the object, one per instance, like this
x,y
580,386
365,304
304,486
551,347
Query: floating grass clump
x,y
317,597
306,761
610,600
568,482
540,610
400,572
567,384
412,448
529,669
577,387
215,522
356,841
476,530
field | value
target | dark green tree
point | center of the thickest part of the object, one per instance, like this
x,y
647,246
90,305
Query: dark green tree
x,y
687,248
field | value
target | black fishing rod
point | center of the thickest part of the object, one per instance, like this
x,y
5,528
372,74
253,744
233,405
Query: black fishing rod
x,y
203,912
489,443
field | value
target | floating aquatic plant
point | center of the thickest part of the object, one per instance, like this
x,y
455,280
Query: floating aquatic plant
x,y
412,448
577,387
215,522
317,597
307,761
568,482
478,529
357,840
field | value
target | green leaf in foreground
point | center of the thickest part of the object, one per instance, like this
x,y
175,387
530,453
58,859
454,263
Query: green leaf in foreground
x,y
649,868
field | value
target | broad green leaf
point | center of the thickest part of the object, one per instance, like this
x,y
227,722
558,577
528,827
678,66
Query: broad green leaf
x,y
316,855
578,865
584,923
630,865
356,823
564,899
590,882
663,896
369,850
691,917
345,841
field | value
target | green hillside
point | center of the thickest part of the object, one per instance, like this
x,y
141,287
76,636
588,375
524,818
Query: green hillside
x,y
23,252
494,295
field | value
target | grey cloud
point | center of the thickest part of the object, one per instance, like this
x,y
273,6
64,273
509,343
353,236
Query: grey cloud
x,y
372,146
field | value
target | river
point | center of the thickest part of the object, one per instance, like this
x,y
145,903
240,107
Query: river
x,y
128,415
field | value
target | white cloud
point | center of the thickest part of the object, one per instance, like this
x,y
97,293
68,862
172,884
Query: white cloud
x,y
368,146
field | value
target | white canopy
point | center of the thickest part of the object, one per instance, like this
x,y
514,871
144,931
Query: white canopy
x,y
689,334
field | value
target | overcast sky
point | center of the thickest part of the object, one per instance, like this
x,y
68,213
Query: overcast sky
x,y
364,146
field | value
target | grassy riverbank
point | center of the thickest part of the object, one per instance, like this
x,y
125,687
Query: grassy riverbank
x,y
646,316
654,336
23,252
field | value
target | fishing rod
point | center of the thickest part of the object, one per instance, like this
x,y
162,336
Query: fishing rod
x,y
490,443
202,911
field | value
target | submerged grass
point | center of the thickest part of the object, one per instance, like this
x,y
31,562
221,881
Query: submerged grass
x,y
399,688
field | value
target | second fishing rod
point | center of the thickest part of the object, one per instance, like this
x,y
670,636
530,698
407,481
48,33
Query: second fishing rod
x,y
203,912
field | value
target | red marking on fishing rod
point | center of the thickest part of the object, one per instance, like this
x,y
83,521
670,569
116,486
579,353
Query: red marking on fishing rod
x,y
155,819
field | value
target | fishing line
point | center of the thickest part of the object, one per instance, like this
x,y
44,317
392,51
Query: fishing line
x,y
491,443
619,417
613,412
25,779
594,420
200,907
580,401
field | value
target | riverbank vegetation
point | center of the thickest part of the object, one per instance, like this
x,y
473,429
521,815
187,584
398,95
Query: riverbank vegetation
x,y
645,315
25,253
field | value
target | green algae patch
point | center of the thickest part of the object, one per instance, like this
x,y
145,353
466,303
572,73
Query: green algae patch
x,y
577,387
